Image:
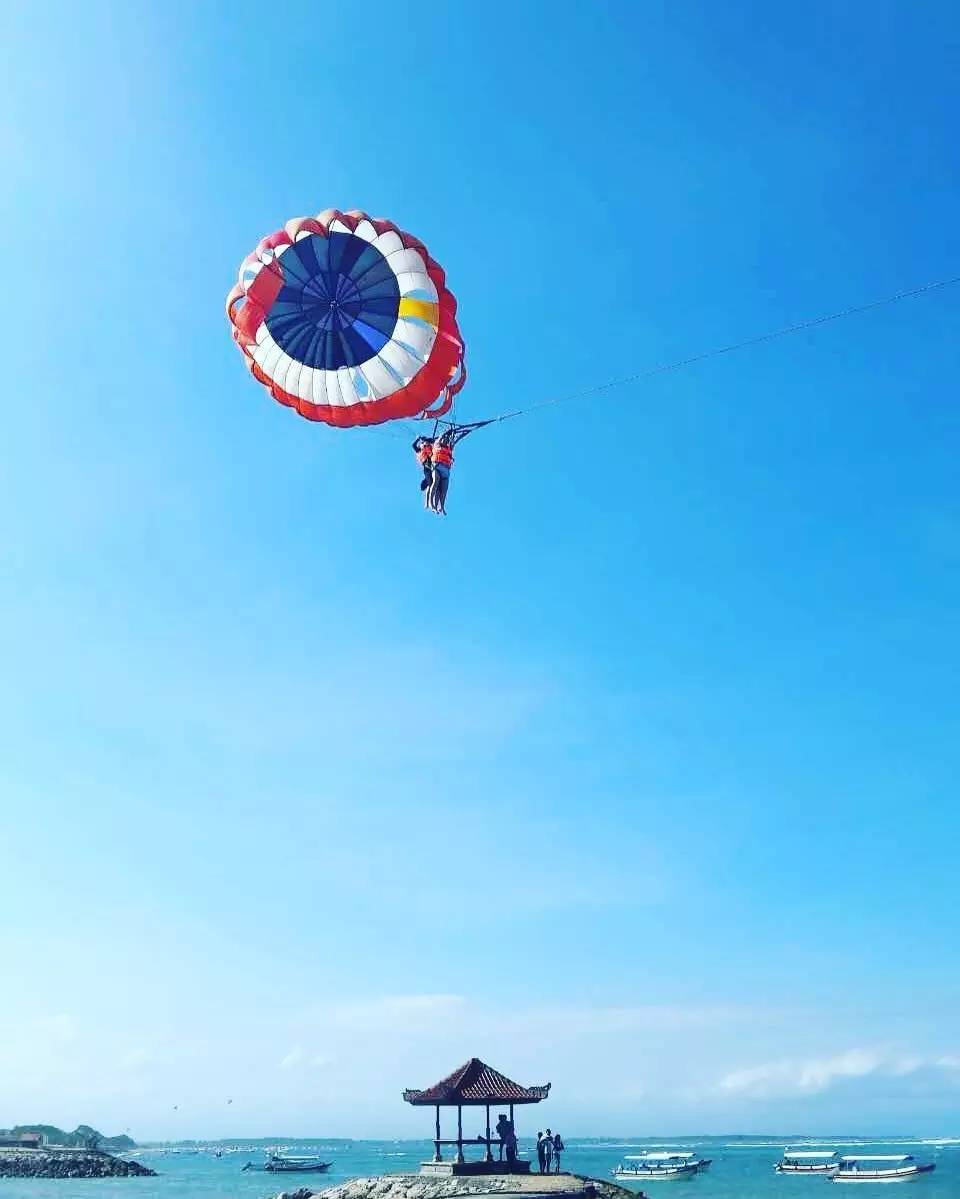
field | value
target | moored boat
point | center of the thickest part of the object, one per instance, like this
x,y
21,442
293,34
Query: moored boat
x,y
289,1164
880,1167
807,1161
663,1166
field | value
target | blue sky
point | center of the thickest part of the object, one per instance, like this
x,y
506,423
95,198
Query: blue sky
x,y
638,773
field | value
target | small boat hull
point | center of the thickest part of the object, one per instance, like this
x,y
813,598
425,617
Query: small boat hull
x,y
903,1174
667,1174
822,1168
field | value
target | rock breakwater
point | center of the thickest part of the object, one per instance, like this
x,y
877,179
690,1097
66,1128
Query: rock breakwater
x,y
67,1163
419,1186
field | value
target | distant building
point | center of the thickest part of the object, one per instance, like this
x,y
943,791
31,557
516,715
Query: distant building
x,y
21,1140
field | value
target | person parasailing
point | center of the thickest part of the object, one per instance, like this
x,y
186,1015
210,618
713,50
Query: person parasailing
x,y
423,448
443,448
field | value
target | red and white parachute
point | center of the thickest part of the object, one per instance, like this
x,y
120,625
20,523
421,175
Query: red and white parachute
x,y
348,319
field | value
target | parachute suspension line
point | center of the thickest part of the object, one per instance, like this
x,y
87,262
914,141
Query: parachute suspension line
x,y
384,431
678,364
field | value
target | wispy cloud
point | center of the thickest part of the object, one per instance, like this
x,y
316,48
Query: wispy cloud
x,y
299,1058
811,1076
416,1014
59,1029
645,1017
292,1059
136,1059
390,1013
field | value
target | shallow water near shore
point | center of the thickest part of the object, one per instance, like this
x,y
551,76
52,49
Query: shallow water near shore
x,y
742,1169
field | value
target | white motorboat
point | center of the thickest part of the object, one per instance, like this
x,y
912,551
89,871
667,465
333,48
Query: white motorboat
x,y
279,1163
665,1166
880,1167
808,1161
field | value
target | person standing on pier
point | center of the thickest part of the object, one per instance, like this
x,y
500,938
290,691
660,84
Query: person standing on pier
x,y
548,1150
558,1148
541,1152
511,1145
503,1127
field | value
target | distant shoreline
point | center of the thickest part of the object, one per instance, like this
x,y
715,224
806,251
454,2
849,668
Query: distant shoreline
x,y
732,1140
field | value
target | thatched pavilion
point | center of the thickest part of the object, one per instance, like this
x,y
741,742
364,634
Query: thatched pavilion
x,y
474,1084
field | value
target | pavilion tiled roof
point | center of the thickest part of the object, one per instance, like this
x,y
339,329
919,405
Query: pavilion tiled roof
x,y
476,1084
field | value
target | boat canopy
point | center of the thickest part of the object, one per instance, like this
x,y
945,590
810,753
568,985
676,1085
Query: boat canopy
x,y
809,1155
659,1157
877,1157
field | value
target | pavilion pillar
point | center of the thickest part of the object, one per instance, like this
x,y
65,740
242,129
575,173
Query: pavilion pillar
x,y
489,1155
436,1143
459,1133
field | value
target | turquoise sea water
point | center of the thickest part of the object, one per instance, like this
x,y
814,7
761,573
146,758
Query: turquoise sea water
x,y
742,1169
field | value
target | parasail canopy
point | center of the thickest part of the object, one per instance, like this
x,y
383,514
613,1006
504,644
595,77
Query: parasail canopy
x,y
347,319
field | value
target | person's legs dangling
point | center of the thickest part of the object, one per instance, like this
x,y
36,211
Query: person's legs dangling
x,y
438,496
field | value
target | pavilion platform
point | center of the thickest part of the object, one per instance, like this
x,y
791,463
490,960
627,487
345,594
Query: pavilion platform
x,y
455,1169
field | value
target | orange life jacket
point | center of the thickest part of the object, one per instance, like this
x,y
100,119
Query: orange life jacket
x,y
424,454
443,455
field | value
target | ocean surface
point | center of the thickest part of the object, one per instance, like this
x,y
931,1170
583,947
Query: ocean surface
x,y
742,1169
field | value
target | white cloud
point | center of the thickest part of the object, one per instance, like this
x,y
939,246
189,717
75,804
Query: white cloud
x,y
811,1076
299,1057
293,1058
